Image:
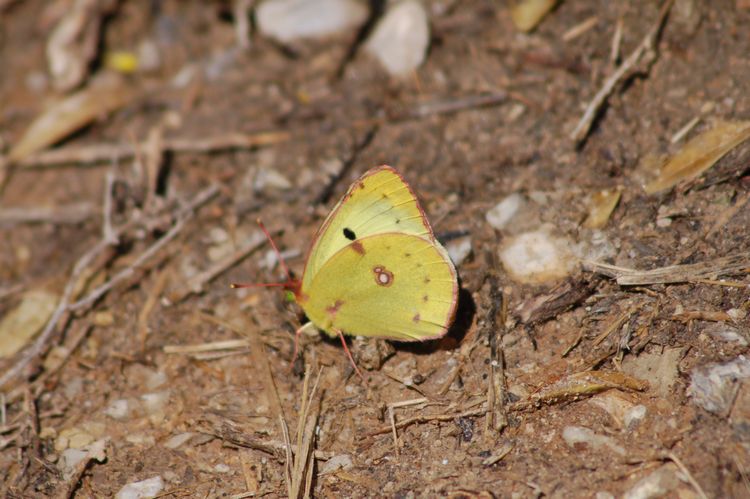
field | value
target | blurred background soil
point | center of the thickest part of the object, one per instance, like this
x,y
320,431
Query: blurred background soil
x,y
141,140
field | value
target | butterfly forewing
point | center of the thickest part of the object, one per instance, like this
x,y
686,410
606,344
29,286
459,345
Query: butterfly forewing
x,y
379,202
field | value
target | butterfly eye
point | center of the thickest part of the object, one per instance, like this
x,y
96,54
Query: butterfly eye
x,y
349,234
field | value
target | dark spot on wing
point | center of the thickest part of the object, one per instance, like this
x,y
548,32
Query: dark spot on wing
x,y
425,298
357,246
333,309
416,318
349,234
407,254
426,279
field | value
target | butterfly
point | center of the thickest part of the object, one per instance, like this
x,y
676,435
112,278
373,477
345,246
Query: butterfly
x,y
375,267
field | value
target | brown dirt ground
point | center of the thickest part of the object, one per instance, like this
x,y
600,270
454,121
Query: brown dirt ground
x,y
346,113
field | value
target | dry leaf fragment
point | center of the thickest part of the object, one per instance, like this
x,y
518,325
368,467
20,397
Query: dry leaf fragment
x,y
700,154
26,320
601,206
584,384
70,114
526,14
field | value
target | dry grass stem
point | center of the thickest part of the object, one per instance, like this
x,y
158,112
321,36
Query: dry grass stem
x,y
682,132
73,213
148,306
102,153
580,28
728,265
232,432
672,457
207,347
300,463
614,51
392,416
459,104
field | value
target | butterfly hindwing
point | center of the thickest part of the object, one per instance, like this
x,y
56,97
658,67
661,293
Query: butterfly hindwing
x,y
394,285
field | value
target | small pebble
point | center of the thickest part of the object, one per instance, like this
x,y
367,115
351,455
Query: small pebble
x,y
536,257
401,37
141,490
656,484
287,20
575,435
458,250
178,440
503,212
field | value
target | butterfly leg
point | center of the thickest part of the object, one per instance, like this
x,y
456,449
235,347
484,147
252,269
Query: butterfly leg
x,y
349,354
297,333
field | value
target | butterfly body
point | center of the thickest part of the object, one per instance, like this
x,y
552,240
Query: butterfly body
x,y
375,267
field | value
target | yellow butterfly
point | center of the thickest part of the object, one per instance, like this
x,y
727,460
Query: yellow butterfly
x,y
375,268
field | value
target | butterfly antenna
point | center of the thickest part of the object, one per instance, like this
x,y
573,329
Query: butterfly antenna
x,y
281,262
275,249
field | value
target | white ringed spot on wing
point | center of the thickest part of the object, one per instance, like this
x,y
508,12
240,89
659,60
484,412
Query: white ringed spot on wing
x,y
383,276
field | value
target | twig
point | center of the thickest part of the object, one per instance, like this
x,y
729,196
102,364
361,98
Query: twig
x,y
108,231
646,47
74,213
460,104
242,27
580,28
392,416
206,347
196,283
497,418
148,306
680,134
64,306
614,53
426,419
728,265
101,153
130,270
231,432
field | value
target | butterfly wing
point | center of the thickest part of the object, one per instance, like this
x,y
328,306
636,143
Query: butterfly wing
x,y
394,285
379,202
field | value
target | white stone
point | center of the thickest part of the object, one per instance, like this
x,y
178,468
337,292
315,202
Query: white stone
x,y
178,440
579,435
336,463
657,484
504,211
69,459
141,490
634,416
536,257
713,386
118,409
155,402
287,20
401,38
458,250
